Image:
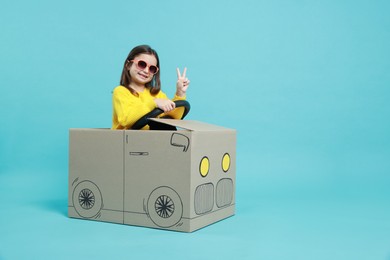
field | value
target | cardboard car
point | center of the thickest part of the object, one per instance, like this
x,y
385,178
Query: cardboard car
x,y
181,179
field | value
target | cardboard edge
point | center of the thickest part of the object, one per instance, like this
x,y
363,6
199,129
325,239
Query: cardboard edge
x,y
191,125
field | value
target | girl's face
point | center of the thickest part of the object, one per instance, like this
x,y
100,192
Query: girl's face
x,y
141,74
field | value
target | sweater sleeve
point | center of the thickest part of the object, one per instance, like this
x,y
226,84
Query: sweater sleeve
x,y
129,108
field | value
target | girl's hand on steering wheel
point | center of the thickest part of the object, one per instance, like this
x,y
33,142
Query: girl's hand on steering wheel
x,y
182,83
165,104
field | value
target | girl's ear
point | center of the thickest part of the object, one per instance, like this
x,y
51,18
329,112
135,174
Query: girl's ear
x,y
128,64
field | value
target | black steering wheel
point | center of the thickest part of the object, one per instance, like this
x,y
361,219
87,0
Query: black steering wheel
x,y
143,121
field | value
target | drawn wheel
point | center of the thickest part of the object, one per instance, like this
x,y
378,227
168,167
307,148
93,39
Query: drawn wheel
x,y
87,199
165,207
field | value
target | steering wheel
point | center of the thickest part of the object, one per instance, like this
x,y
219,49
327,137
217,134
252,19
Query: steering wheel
x,y
143,121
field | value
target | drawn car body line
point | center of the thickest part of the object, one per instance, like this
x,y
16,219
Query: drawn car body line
x,y
145,213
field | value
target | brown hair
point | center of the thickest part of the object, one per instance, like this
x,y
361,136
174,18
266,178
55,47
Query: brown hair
x,y
154,85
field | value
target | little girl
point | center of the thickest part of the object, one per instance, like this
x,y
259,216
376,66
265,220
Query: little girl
x,y
140,89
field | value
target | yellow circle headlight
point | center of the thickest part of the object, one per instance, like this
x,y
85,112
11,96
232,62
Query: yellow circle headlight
x,y
204,166
225,162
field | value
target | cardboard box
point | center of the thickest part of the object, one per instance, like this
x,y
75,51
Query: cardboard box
x,y
176,180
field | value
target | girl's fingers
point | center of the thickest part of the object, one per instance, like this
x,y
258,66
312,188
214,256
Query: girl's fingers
x,y
184,72
179,75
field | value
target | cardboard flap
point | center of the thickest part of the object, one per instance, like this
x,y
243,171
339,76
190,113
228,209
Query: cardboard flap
x,y
191,125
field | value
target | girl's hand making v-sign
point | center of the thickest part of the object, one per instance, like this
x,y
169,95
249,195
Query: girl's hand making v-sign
x,y
182,83
181,87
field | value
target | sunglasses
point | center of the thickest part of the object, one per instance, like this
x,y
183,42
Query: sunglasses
x,y
141,65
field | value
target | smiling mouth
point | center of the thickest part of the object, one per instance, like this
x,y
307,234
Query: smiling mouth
x,y
143,75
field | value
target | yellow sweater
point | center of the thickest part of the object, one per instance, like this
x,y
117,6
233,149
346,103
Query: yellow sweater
x,y
127,108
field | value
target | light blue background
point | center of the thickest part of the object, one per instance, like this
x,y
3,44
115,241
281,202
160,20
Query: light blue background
x,y
305,83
